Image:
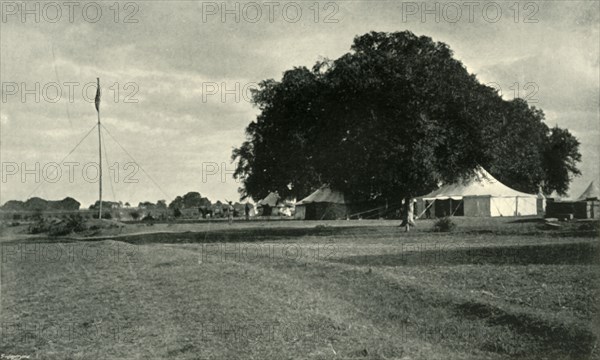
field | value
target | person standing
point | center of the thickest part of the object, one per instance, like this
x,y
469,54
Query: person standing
x,y
230,212
247,210
408,217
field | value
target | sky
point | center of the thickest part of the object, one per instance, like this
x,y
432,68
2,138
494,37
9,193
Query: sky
x,y
175,79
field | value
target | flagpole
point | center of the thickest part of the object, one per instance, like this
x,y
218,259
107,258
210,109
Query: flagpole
x,y
99,150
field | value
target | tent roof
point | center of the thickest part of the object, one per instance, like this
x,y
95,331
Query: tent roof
x,y
323,194
482,184
591,192
272,199
554,195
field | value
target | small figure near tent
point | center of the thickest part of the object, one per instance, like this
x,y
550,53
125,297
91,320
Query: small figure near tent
x,y
247,211
408,214
266,210
230,212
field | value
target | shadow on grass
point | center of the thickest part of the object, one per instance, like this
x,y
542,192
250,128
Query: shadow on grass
x,y
572,253
221,235
424,314
527,220
553,337
286,233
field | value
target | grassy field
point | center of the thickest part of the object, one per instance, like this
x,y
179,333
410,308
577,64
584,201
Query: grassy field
x,y
492,289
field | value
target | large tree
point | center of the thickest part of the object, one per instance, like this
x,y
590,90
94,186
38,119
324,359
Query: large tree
x,y
392,119
560,159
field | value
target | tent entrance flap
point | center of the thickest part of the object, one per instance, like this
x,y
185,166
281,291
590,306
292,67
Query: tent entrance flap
x,y
448,207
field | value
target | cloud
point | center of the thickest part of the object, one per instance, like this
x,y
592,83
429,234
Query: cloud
x,y
166,63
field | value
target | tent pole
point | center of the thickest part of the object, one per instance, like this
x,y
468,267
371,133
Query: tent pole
x,y
428,206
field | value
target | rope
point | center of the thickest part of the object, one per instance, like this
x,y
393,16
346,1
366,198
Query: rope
x,y
390,207
58,81
70,152
138,164
457,206
428,206
434,200
112,190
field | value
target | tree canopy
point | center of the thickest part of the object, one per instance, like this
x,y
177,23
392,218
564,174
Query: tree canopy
x,y
192,199
395,117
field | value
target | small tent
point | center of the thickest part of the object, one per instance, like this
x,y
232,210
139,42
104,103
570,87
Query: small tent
x,y
480,196
268,205
323,204
591,193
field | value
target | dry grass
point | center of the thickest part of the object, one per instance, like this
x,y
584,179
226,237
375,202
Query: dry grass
x,y
491,290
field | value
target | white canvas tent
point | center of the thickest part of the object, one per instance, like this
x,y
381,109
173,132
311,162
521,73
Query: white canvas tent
x,y
484,196
323,204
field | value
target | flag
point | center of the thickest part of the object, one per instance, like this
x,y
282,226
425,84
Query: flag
x,y
97,101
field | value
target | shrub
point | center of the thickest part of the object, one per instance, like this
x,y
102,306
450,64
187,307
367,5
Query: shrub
x,y
589,226
444,224
148,219
54,227
39,226
74,223
177,213
135,215
37,216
